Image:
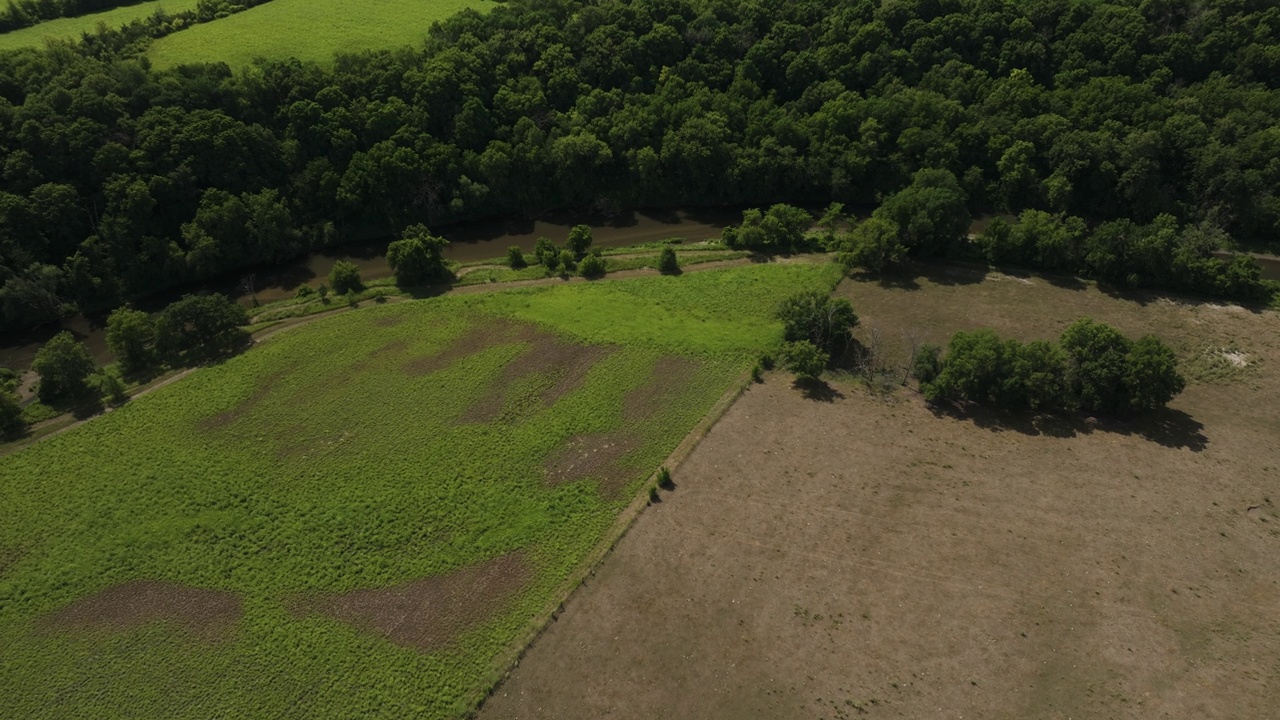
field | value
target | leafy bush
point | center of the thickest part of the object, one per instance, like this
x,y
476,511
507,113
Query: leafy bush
x,y
416,258
345,277
817,317
131,337
11,422
779,229
304,291
873,245
566,262
579,241
668,264
201,326
546,252
927,363
805,359
64,365
592,266
515,258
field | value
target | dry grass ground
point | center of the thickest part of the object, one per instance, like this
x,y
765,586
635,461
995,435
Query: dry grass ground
x,y
867,555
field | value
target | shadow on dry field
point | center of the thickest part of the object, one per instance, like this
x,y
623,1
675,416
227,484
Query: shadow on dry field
x,y
1169,427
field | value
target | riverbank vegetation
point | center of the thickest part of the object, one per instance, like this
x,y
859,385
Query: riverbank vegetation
x,y
374,460
120,180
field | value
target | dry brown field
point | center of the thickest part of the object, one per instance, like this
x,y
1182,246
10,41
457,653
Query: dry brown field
x,y
867,555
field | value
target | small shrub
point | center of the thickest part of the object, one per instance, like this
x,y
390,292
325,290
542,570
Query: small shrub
x,y
766,361
110,388
380,299
592,266
567,262
805,359
756,375
351,299
11,422
515,258
653,495
546,253
579,241
668,264
64,365
304,292
927,363
323,292
345,278
664,478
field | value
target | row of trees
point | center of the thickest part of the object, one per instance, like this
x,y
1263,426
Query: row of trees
x,y
25,13
118,180
1093,369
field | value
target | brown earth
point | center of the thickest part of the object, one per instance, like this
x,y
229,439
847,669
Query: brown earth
x,y
866,555
593,456
427,614
476,338
664,384
563,364
244,407
207,614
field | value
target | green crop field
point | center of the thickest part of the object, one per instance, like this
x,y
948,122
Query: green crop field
x,y
72,28
363,516
313,30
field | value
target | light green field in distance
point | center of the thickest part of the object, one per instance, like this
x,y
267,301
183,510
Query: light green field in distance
x,y
72,28
331,459
312,30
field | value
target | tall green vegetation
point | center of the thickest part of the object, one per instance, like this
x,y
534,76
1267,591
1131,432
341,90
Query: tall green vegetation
x,y
815,317
131,336
64,366
1094,369
200,327
1112,111
417,257
345,276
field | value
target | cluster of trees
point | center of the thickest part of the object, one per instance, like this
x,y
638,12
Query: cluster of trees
x,y
577,254
815,329
25,13
118,180
1093,369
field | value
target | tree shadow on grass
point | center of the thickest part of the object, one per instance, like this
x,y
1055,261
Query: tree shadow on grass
x,y
815,389
1167,427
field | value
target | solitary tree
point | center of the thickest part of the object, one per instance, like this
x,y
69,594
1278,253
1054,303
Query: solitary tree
x,y
64,366
345,278
566,262
418,257
131,336
11,422
579,241
873,245
546,253
201,326
515,258
592,266
668,264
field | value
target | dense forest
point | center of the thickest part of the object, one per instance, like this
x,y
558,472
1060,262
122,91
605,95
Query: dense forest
x,y
118,180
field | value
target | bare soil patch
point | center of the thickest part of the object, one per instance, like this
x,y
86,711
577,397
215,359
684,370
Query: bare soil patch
x,y
593,456
664,383
475,339
207,614
427,614
865,555
564,364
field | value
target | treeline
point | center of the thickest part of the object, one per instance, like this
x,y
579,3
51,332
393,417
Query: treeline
x,y
18,14
118,180
1093,369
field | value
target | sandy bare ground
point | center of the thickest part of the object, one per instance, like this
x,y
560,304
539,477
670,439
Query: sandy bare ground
x,y
870,556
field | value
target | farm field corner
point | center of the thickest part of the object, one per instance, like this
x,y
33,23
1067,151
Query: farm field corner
x,y
361,516
871,556
309,30
71,28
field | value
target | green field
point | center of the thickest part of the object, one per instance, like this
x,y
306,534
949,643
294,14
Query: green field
x,y
72,28
308,30
423,456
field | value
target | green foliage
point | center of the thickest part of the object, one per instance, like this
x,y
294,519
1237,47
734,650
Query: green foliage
x,y
668,264
305,292
566,262
131,336
323,292
804,359
664,478
779,229
11,420
926,364
198,327
873,245
592,266
515,258
322,461
416,258
818,318
1095,369
345,277
546,252
579,241
109,387
931,213
64,365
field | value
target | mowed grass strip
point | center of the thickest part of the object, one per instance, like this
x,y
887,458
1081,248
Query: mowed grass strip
x,y
72,28
298,480
309,30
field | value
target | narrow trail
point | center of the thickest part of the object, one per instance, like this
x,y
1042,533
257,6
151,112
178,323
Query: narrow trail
x,y
291,323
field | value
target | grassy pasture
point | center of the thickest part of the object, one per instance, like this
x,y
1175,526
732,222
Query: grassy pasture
x,y
72,28
349,456
313,30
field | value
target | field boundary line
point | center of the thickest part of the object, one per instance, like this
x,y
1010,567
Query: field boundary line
x,y
509,660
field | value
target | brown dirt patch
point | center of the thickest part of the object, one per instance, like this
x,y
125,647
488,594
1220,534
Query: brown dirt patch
x,y
865,555
664,383
427,614
564,363
389,321
244,407
593,456
206,614
475,339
